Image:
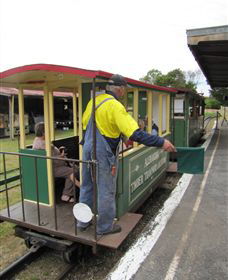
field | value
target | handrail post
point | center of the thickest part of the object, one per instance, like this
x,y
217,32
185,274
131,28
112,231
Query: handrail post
x,y
216,127
94,165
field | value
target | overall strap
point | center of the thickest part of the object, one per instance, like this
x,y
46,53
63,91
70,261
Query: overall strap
x,y
103,101
89,125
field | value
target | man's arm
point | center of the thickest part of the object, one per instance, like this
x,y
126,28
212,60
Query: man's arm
x,y
147,139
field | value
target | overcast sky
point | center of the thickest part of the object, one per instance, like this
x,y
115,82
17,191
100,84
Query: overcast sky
x,y
128,37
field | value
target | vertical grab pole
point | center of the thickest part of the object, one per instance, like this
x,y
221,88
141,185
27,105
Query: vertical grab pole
x,y
80,128
94,165
136,108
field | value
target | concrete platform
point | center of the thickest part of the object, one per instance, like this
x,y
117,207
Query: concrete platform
x,y
193,244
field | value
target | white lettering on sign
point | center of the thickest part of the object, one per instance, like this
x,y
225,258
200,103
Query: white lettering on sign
x,y
147,174
137,183
151,158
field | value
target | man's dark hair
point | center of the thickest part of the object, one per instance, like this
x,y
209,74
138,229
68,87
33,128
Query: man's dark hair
x,y
39,129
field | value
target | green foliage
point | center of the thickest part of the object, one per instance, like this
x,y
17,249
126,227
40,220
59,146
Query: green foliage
x,y
212,103
175,78
152,76
221,95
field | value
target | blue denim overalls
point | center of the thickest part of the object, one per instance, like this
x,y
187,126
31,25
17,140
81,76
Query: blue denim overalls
x,y
106,182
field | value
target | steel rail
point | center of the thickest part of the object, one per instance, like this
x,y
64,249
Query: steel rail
x,y
19,264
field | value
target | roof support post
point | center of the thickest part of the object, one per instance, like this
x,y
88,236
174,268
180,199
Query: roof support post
x,y
11,116
136,108
149,111
48,146
21,117
75,112
51,112
80,132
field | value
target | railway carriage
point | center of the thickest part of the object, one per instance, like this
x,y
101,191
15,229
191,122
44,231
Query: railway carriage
x,y
188,119
39,215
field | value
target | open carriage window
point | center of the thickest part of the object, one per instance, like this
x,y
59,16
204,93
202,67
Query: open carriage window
x,y
155,110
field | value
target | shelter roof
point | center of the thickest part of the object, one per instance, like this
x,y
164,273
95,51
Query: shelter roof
x,y
210,49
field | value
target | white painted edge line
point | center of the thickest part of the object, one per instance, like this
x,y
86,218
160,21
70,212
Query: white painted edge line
x,y
132,259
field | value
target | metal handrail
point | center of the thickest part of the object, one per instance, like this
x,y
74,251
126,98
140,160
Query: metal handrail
x,y
53,158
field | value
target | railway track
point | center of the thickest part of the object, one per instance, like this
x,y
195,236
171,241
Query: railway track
x,y
24,261
10,271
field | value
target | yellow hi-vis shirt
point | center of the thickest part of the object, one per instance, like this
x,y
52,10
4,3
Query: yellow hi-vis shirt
x,y
112,118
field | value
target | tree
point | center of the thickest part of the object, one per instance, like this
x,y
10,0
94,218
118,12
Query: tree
x,y
220,94
194,77
152,76
175,78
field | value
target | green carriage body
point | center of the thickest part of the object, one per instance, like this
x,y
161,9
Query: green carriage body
x,y
188,120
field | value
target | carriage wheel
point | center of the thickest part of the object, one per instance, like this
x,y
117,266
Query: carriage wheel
x,y
72,254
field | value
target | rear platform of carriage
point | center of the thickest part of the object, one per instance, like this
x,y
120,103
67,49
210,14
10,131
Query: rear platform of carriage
x,y
38,214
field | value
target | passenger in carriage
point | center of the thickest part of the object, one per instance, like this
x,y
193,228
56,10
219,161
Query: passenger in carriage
x,y
112,119
154,129
141,124
60,167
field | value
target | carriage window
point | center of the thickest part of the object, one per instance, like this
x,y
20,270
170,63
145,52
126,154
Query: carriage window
x,y
130,103
178,107
142,114
164,112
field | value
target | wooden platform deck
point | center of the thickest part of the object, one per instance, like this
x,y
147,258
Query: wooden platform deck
x,y
66,223
172,167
